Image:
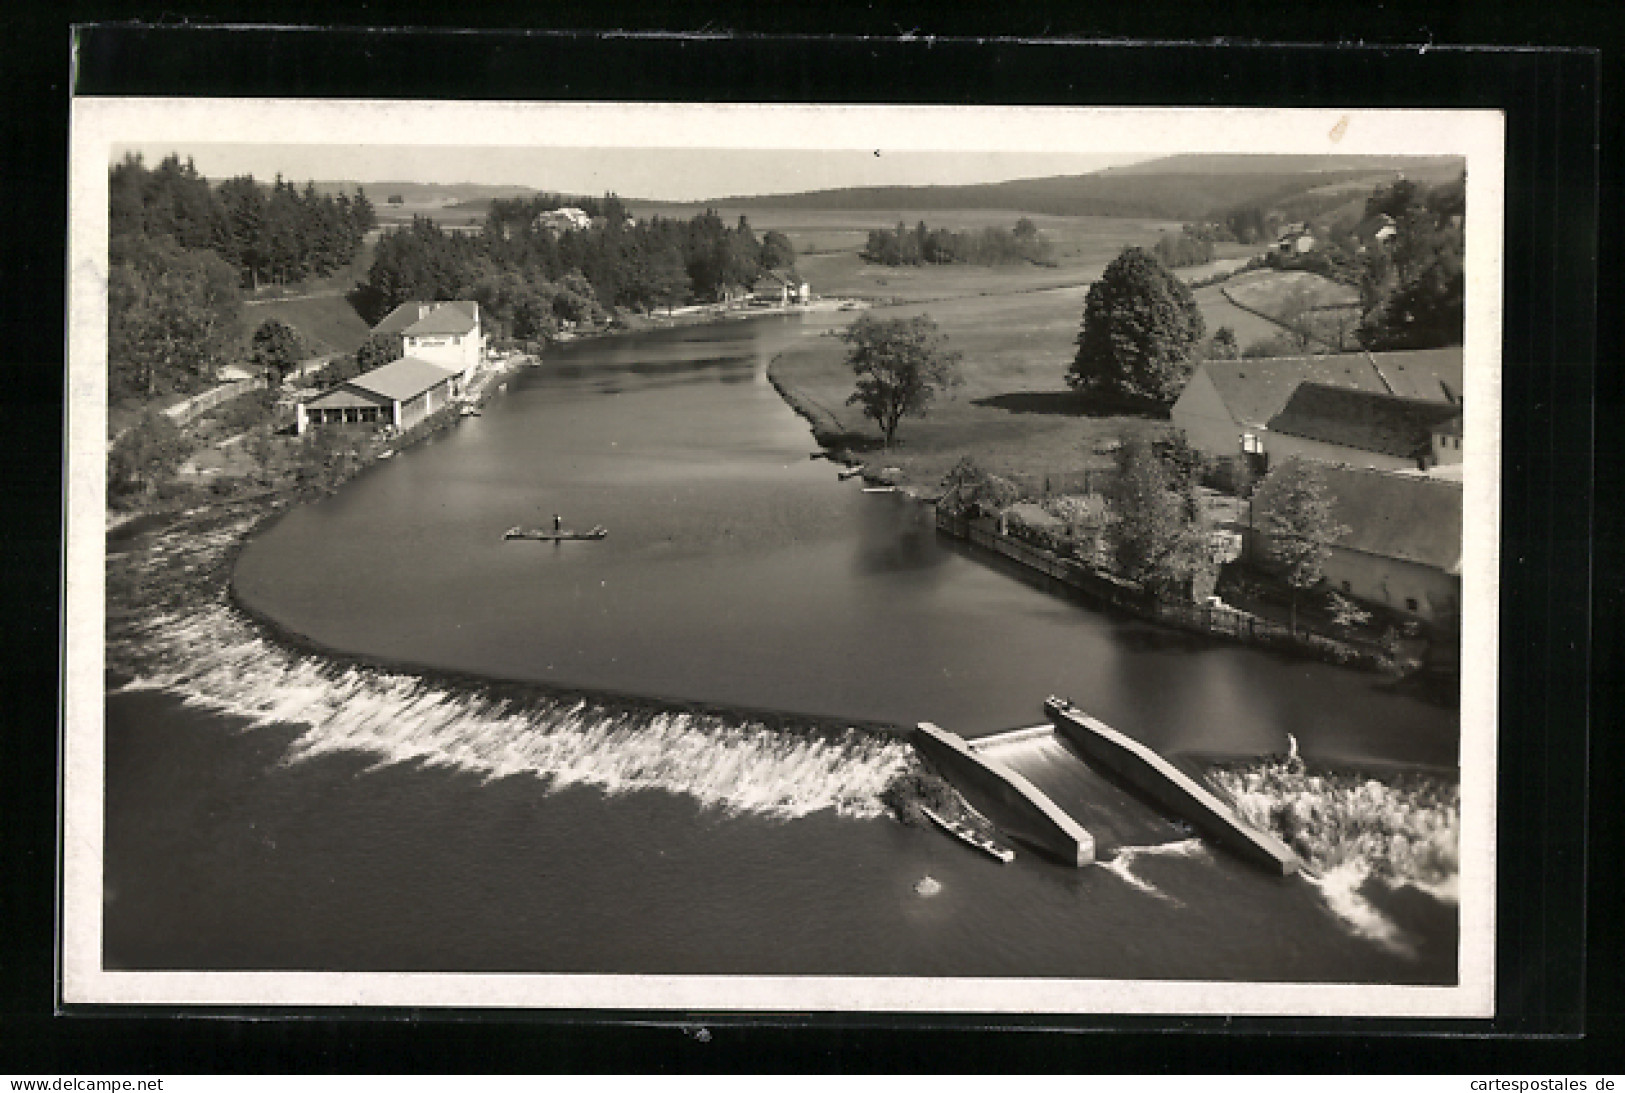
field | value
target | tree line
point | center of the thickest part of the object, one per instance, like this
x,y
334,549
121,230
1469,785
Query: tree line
x,y
1186,248
181,251
531,278
276,234
921,245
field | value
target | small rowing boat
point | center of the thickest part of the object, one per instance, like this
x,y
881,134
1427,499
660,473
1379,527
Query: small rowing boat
x,y
598,532
880,489
970,836
850,472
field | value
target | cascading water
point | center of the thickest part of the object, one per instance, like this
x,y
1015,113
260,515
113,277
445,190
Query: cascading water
x,y
207,652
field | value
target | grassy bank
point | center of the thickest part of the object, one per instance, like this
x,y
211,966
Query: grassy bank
x,y
1014,414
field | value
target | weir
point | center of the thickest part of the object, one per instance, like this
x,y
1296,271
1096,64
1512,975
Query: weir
x,y
1149,773
1014,804
1043,784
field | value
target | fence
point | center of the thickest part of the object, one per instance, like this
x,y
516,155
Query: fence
x,y
1088,480
182,412
1206,618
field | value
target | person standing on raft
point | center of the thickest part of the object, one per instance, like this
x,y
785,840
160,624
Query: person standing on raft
x,y
558,523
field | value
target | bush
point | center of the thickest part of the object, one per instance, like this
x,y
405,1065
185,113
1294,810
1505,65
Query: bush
x,y
145,457
907,792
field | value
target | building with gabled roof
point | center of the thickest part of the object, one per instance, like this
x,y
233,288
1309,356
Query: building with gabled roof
x,y
400,393
1403,545
1227,406
1360,428
443,332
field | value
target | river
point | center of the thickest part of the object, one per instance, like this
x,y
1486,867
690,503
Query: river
x,y
276,809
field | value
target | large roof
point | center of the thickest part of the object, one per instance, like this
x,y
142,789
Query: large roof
x,y
430,317
1364,420
341,398
1412,517
402,379
1255,390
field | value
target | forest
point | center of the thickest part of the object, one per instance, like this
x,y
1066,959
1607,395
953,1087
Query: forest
x,y
530,276
921,245
181,251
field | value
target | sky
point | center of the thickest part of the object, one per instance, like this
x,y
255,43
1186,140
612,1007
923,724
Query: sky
x,y
661,174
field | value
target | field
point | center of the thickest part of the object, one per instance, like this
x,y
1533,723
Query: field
x,y
329,323
1016,328
1218,311
1270,291
1265,293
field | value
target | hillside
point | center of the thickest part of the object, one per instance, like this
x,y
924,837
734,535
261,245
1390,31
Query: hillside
x,y
329,324
1182,188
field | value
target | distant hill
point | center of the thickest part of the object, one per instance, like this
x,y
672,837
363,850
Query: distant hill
x,y
1176,188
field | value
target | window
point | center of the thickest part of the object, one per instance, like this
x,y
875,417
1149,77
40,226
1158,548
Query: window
x,y
1346,587
1410,603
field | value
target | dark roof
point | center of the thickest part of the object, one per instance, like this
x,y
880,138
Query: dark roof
x,y
1255,390
429,317
1412,517
402,379
450,317
1364,420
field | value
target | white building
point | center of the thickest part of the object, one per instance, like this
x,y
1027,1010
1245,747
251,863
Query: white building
x,y
446,333
400,393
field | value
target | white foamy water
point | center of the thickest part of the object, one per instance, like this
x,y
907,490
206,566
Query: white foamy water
x,y
207,653
1121,864
1340,887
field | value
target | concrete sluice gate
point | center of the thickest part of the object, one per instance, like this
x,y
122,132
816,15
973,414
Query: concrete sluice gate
x,y
1079,788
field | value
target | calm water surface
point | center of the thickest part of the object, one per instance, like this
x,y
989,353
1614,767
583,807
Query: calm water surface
x,y
415,825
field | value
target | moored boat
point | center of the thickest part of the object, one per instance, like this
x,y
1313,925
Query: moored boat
x,y
966,834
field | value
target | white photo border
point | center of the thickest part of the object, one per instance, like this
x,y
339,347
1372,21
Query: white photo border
x,y
99,125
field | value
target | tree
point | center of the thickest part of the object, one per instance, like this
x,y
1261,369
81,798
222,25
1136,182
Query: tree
x,y
276,349
969,490
777,251
146,454
901,365
1412,290
1157,534
1141,332
378,350
172,316
1293,510
1224,346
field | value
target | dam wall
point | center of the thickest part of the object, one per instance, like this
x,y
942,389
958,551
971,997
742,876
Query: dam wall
x,y
1159,780
1009,800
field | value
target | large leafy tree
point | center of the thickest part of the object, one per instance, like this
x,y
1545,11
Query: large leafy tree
x,y
777,251
1142,332
276,349
378,350
173,317
901,365
1294,510
145,455
1157,535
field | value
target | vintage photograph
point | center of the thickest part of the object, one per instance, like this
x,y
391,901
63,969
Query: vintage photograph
x,y
1009,560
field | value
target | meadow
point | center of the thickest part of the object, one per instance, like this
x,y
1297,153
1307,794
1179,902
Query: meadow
x,y
1015,327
